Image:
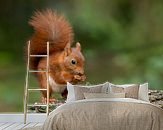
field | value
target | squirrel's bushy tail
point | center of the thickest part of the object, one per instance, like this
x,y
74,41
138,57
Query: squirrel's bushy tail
x,y
48,26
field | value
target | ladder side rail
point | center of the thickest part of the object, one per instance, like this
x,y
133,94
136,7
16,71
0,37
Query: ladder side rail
x,y
47,75
26,85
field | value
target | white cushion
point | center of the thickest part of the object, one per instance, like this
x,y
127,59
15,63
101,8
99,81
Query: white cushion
x,y
71,93
74,95
143,92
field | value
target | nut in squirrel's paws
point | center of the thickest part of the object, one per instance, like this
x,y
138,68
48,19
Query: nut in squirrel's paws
x,y
80,78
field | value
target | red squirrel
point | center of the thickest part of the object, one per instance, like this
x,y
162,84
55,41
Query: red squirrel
x,y
66,63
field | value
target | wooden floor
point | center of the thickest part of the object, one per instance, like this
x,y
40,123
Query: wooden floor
x,y
15,121
17,126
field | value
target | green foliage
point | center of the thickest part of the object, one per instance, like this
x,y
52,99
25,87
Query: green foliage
x,y
121,40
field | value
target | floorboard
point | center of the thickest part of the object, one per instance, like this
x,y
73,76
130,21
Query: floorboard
x,y
5,126
30,125
22,125
12,127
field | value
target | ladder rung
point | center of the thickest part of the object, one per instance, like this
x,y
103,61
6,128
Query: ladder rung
x,y
38,55
36,89
39,105
37,71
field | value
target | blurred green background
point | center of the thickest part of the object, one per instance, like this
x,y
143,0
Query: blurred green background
x,y
122,41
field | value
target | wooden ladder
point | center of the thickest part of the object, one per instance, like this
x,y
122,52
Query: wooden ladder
x,y
27,89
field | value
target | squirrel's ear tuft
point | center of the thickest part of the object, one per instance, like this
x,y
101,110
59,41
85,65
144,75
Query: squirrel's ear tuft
x,y
67,49
78,46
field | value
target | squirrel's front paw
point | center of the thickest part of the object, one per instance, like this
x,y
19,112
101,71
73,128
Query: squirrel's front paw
x,y
83,77
51,100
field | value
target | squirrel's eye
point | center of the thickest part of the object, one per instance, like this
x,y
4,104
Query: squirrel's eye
x,y
73,62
